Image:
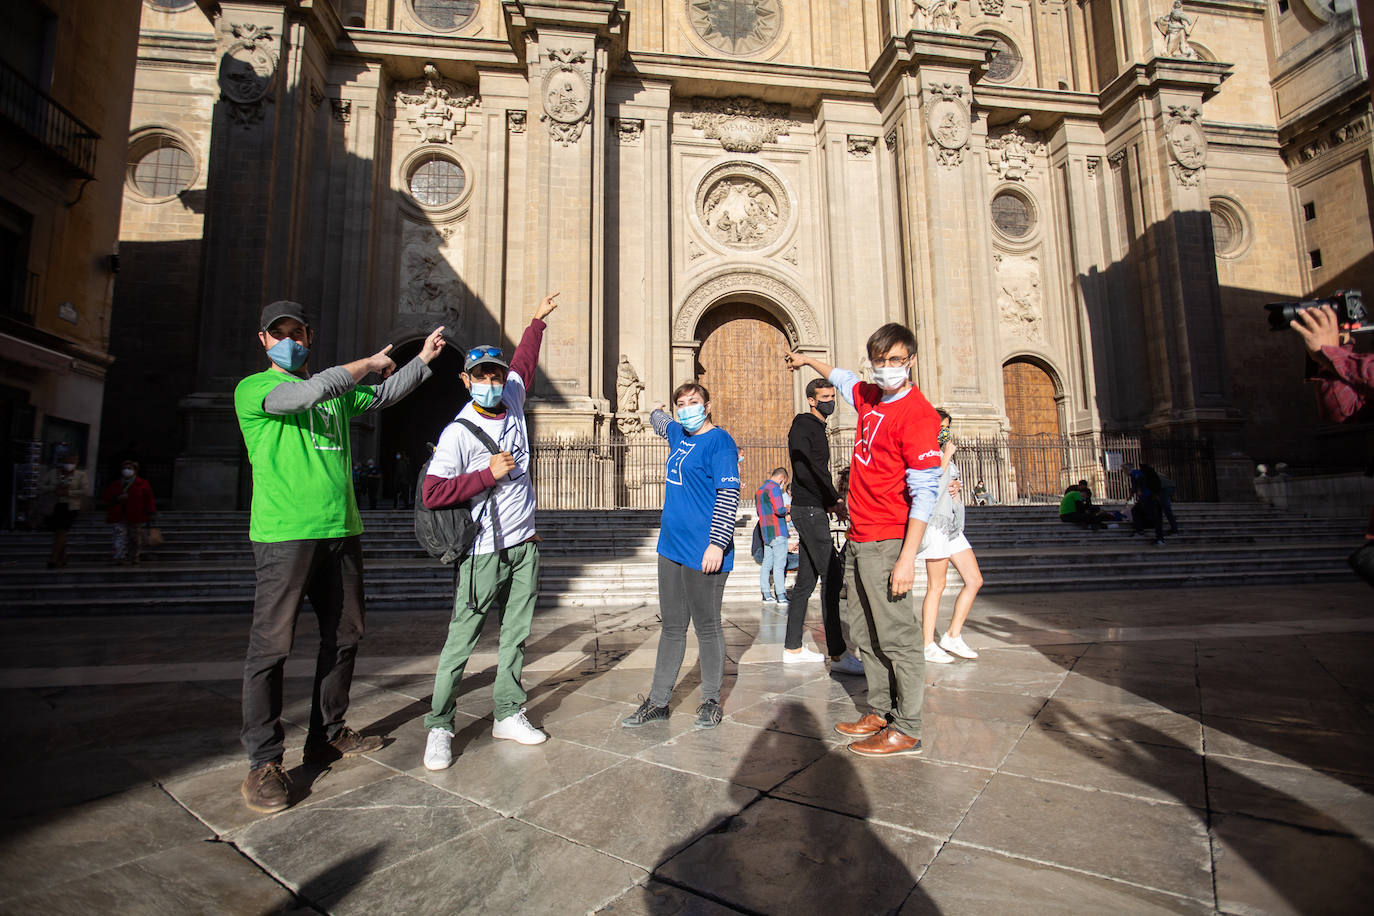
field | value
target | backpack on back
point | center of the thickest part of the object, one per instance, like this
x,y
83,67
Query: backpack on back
x,y
448,533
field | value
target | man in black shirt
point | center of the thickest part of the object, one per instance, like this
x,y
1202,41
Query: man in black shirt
x,y
813,500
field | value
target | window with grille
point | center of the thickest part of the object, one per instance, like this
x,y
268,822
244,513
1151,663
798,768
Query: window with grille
x,y
437,182
160,167
1006,58
444,15
1012,215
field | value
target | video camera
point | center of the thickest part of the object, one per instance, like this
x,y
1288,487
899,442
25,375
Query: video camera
x,y
1347,303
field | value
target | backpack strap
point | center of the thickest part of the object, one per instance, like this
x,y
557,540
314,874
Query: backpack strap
x,y
482,437
487,503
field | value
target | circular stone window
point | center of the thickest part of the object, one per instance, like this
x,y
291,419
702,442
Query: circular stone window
x,y
737,27
444,15
1229,235
159,166
436,181
1006,58
742,206
170,6
1013,215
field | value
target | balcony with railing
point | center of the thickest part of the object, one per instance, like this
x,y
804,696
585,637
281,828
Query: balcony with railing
x,y
31,111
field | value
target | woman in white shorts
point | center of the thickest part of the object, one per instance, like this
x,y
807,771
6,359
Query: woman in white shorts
x,y
944,542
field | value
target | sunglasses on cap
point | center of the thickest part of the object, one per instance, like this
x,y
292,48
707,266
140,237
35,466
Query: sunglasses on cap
x,y
484,353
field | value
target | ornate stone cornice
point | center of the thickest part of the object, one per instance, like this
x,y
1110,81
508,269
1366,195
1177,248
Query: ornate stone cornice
x,y
741,124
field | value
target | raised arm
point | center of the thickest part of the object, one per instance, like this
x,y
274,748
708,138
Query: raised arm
x,y
525,360
338,380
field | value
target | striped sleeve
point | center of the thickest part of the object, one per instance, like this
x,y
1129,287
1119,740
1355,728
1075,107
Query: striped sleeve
x,y
723,518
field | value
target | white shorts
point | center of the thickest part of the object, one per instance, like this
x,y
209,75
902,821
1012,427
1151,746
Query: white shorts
x,y
937,545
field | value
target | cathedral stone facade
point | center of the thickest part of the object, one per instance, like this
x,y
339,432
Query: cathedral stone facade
x,y
1080,208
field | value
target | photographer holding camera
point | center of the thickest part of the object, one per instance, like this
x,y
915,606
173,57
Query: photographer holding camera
x,y
1345,391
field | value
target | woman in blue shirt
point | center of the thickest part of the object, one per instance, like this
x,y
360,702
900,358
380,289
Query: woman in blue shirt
x,y
695,550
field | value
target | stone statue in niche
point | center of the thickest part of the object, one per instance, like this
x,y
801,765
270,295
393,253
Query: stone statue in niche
x,y
1176,27
629,391
935,15
740,213
1018,296
436,107
430,271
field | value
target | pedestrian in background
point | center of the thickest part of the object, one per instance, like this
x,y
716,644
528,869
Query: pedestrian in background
x,y
130,506
65,485
770,504
403,496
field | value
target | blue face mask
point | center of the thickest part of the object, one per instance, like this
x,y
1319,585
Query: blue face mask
x,y
288,354
692,417
487,396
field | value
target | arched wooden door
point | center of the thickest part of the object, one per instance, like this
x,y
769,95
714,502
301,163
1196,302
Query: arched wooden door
x,y
751,390
1035,433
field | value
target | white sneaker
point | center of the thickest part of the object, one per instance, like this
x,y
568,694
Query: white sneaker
x,y
438,749
518,728
801,656
937,655
957,645
848,664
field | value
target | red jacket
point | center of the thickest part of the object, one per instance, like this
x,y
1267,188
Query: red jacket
x,y
136,507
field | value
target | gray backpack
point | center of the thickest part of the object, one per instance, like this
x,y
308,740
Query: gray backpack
x,y
448,533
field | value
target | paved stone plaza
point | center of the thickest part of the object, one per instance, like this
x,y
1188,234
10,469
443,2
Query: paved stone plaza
x,y
1149,751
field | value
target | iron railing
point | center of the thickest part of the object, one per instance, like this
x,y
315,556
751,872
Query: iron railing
x,y
33,111
1027,470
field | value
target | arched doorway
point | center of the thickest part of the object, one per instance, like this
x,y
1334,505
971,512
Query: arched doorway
x,y
741,364
420,418
1032,407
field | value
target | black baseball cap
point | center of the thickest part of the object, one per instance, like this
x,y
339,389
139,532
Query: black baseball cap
x,y
283,308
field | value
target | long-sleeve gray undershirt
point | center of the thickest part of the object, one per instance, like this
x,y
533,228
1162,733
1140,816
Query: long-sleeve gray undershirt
x,y
336,381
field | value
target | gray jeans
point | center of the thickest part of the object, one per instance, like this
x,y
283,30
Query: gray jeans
x,y
686,594
888,633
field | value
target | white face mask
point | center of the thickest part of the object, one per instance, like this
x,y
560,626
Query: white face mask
x,y
126,473
69,468
889,377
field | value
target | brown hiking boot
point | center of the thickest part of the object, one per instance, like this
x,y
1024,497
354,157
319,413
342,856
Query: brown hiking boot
x,y
348,743
870,724
267,788
887,743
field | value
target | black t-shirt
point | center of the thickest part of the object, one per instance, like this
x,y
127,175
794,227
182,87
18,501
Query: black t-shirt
x,y
809,451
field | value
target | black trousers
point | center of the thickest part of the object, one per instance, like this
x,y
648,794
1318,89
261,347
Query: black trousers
x,y
817,557
330,573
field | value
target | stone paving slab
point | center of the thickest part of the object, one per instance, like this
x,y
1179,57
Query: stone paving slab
x,y
1116,753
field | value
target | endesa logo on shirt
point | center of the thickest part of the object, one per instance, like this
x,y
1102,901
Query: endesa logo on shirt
x,y
933,453
733,480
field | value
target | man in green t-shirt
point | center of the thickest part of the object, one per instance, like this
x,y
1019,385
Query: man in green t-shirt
x,y
305,530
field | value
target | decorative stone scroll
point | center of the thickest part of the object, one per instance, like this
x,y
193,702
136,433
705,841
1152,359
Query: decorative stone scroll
x,y
935,15
1187,144
1014,147
248,71
947,120
629,391
742,206
567,95
1018,296
862,147
435,107
741,124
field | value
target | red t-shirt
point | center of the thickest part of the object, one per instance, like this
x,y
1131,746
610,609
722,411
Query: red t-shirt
x,y
890,438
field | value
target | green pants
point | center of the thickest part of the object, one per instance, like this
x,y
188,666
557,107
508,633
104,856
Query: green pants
x,y
888,634
507,581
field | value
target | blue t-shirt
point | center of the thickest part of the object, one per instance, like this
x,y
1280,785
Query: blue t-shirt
x,y
697,467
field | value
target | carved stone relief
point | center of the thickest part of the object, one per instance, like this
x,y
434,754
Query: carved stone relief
x,y
1093,163
891,140
435,107
1306,151
1177,27
1117,159
992,7
342,109
742,125
935,15
862,147
798,320
629,392
1018,296
629,130
316,96
742,206
515,121
248,71
431,267
1187,144
567,95
947,119
1014,147
694,250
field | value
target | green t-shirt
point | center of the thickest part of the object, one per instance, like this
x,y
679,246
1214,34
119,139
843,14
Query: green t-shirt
x,y
302,463
1069,504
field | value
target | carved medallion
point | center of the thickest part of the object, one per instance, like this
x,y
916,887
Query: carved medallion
x,y
248,71
567,95
1018,297
742,206
434,106
1187,144
947,119
742,125
738,27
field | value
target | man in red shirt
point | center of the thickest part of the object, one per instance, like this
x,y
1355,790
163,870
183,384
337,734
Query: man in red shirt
x,y
893,482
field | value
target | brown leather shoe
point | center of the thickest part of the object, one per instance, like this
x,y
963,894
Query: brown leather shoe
x,y
267,789
348,743
870,724
887,743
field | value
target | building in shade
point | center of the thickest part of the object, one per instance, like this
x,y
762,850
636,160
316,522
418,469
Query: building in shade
x,y
1080,208
66,73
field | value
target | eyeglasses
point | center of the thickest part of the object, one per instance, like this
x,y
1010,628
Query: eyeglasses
x,y
891,361
484,353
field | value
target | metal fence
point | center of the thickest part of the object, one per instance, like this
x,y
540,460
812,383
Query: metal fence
x,y
34,111
1027,470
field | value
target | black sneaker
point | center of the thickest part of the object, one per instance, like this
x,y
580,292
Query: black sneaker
x,y
267,788
646,713
347,743
709,714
